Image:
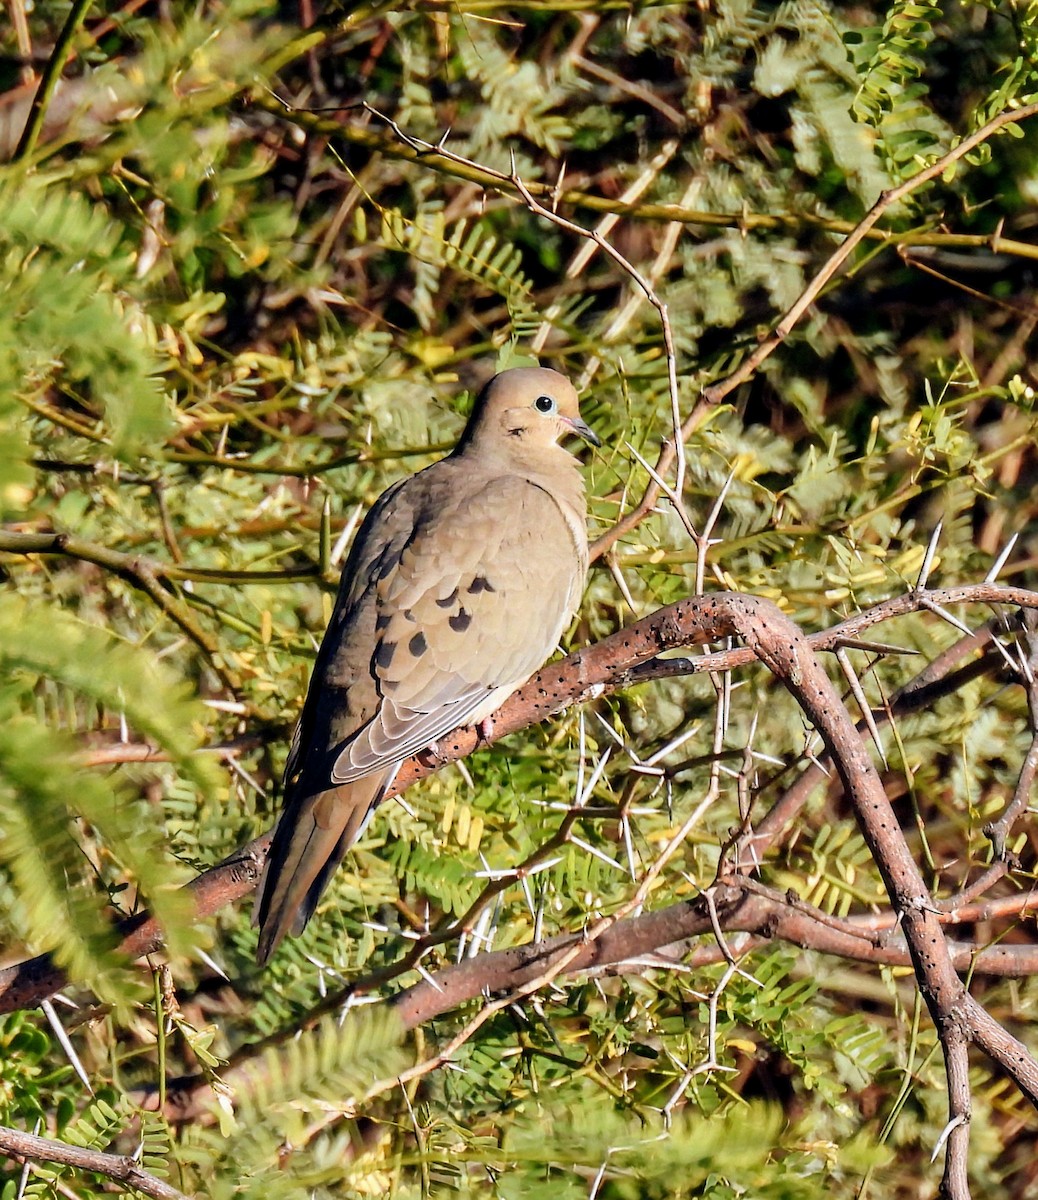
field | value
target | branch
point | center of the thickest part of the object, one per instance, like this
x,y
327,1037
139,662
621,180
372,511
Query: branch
x,y
606,667
535,195
781,646
113,753
742,906
660,939
133,567
120,1167
444,163
998,831
139,571
51,75
716,392
937,679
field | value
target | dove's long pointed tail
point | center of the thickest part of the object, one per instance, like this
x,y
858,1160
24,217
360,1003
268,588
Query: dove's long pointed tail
x,y
311,838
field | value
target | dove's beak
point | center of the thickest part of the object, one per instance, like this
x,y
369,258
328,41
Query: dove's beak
x,y
581,429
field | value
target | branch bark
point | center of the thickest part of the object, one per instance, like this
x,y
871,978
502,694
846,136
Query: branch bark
x,y
120,1167
768,635
601,669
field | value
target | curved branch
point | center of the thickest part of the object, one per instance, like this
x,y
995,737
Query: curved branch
x,y
716,392
661,939
438,157
139,569
742,907
603,668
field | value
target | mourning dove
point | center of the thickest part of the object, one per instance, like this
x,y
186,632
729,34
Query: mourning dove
x,y
458,586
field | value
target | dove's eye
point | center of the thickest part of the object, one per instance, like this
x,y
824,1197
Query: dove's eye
x,y
544,404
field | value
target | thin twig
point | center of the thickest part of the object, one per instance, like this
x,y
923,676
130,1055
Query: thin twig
x,y
718,391
651,295
412,150
712,395
526,193
49,80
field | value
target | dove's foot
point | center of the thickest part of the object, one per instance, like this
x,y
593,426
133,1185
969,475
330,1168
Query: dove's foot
x,y
431,756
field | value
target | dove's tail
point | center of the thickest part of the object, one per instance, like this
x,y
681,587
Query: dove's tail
x,y
311,838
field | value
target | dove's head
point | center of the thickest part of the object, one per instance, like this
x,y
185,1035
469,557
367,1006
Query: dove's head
x,y
525,410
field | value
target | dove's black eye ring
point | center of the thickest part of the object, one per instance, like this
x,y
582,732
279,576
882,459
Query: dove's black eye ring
x,y
544,404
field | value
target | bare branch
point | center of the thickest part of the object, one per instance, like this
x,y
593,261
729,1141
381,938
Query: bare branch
x,y
667,937
120,1167
603,668
436,159
718,391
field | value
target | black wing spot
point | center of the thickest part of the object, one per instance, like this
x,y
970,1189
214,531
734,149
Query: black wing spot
x,y
418,645
480,584
460,621
384,654
448,601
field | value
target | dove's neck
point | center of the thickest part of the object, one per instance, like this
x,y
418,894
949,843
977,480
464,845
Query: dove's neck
x,y
549,466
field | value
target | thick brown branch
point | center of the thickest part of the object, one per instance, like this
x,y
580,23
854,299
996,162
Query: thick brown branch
x,y
783,648
594,671
666,938
742,907
935,680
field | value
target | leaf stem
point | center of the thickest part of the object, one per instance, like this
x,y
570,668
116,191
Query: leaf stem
x,y
49,80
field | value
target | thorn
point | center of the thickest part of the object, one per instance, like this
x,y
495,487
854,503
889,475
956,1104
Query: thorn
x,y
946,1132
343,540
945,615
673,744
870,647
593,850
212,964
596,775
1025,665
1000,562
928,557
427,977
556,191
858,692
715,511
528,895
66,1044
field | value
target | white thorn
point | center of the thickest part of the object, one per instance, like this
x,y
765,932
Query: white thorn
x,y
928,557
1000,562
946,1133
